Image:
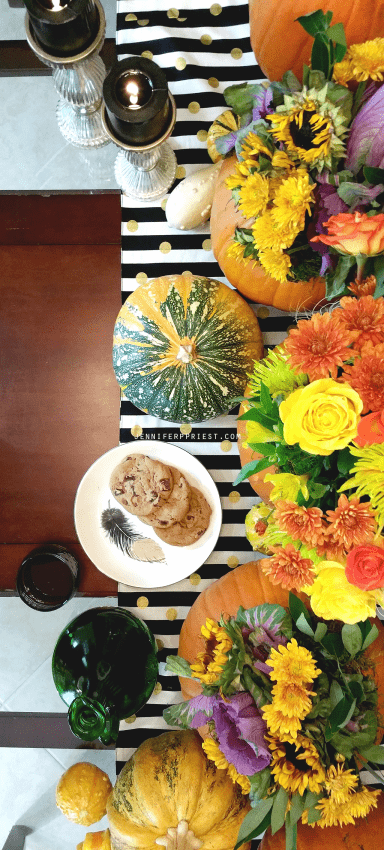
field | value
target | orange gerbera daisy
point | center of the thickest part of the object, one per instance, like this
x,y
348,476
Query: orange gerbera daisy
x,y
318,346
366,286
288,568
366,376
364,315
304,524
352,522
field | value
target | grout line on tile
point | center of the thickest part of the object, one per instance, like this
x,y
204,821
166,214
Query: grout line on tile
x,y
25,681
52,158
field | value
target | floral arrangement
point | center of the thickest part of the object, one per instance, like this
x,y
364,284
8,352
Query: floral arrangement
x,y
316,413
309,173
291,712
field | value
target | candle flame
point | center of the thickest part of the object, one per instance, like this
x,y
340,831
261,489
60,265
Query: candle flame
x,y
133,90
57,6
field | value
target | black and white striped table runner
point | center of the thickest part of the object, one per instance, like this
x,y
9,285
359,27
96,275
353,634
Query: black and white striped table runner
x,y
203,48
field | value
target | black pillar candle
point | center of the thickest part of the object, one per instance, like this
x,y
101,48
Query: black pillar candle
x,y
63,27
137,103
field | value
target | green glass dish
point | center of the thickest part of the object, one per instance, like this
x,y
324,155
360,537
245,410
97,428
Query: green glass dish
x,y
104,667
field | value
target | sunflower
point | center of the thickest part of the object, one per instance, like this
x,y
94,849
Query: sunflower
x,y
296,765
292,663
368,477
213,752
212,660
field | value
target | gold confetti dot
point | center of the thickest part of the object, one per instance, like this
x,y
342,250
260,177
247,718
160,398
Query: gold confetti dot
x,y
225,446
142,602
194,107
187,272
130,719
164,203
180,63
206,39
233,562
234,496
131,17
236,53
173,13
202,135
157,689
186,428
147,54
141,277
136,431
165,247
132,226
263,312
195,578
180,172
207,245
216,9
171,614
291,327
213,82
159,644
144,22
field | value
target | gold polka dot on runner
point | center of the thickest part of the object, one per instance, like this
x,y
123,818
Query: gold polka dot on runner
x,y
213,82
226,446
144,22
236,53
206,39
159,644
131,17
171,614
173,13
234,496
136,431
207,245
195,579
164,203
142,602
180,172
216,9
141,277
147,54
130,719
262,312
157,689
180,63
232,562
202,135
194,107
132,226
186,428
165,247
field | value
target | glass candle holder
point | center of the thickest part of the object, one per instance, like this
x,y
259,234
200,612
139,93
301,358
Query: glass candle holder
x,y
47,577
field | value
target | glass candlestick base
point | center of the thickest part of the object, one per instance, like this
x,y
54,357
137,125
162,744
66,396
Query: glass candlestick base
x,y
145,172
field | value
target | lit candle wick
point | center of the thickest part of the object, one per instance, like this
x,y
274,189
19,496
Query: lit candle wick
x,y
57,6
132,90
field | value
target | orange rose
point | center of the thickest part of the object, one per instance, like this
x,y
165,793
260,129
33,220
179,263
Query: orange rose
x,y
354,233
370,429
365,567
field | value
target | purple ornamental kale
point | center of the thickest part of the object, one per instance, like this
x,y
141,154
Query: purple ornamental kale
x,y
366,135
263,101
241,731
260,632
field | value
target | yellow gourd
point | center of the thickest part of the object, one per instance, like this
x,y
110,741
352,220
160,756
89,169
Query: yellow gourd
x,y
96,841
82,793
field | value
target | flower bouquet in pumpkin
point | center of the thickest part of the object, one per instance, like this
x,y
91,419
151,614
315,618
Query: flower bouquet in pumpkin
x,y
315,415
291,712
307,176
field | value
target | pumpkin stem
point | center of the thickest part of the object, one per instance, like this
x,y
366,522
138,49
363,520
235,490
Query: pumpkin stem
x,y
186,352
180,838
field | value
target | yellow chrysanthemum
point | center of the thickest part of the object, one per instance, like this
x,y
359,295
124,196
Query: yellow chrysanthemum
x,y
279,723
339,783
270,235
358,804
254,195
292,663
368,478
292,200
292,700
296,765
236,250
276,264
276,373
213,752
252,146
210,662
361,62
361,802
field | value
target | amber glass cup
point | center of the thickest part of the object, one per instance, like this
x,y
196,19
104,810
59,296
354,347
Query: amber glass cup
x,y
47,577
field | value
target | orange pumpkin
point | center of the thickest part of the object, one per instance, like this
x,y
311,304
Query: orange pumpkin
x,y
364,835
252,281
281,44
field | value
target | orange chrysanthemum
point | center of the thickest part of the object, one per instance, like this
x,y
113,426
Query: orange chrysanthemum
x,y
330,547
352,522
366,376
364,315
318,346
287,568
304,524
366,286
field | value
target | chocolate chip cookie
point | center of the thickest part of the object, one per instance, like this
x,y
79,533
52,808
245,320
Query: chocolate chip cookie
x,y
140,484
192,526
166,513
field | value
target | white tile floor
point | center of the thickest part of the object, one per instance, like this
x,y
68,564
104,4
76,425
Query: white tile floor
x,y
27,640
34,155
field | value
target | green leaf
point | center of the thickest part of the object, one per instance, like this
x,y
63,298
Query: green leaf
x,y
337,34
335,282
333,644
297,807
320,59
321,631
345,461
313,815
290,833
352,639
260,783
255,822
297,608
339,717
370,637
178,665
375,754
304,626
240,97
373,175
278,810
336,693
315,22
265,398
357,691
378,271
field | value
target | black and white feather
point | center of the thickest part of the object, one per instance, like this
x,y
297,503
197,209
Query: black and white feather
x,y
121,532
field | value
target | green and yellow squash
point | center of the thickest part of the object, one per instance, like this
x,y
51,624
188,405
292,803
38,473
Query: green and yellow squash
x,y
183,347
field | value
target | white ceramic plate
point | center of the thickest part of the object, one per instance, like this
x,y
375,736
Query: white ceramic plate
x,y
94,498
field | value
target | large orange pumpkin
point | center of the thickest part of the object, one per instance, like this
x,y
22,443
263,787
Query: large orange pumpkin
x,y
364,835
252,281
281,44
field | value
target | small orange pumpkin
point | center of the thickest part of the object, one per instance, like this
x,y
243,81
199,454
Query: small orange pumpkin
x,y
251,280
82,793
363,835
96,841
281,44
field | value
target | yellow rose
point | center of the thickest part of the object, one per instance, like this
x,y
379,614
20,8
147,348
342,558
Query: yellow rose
x,y
321,417
334,598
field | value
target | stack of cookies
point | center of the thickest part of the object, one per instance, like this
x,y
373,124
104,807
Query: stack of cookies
x,y
161,496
